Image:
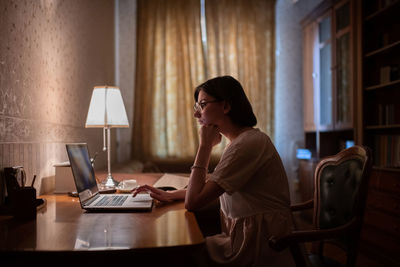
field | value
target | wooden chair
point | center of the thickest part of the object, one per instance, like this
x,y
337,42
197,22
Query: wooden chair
x,y
340,192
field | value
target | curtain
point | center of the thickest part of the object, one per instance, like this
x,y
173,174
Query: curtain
x,y
241,43
172,61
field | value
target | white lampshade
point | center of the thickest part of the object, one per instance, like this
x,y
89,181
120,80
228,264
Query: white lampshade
x,y
106,108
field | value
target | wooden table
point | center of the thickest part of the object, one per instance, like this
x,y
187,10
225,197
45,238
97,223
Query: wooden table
x,y
63,230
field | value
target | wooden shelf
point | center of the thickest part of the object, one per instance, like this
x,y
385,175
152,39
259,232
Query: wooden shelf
x,y
383,85
380,11
380,43
382,49
377,127
338,129
380,168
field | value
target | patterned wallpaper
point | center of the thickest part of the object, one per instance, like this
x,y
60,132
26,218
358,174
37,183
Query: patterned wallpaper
x,y
52,54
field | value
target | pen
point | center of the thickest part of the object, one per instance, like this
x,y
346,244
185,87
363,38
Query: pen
x,y
33,181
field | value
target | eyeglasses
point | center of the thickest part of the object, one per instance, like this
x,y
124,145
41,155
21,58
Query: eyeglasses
x,y
200,106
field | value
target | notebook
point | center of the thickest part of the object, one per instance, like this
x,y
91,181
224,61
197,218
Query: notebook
x,y
88,192
172,181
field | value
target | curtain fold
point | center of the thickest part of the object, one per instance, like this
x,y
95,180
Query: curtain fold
x,y
241,43
171,62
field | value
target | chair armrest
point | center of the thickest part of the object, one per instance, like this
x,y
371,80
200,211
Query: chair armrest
x,y
280,243
309,204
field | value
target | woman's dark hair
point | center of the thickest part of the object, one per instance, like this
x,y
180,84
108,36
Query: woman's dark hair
x,y
230,90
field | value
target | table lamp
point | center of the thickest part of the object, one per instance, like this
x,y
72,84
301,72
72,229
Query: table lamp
x,y
107,110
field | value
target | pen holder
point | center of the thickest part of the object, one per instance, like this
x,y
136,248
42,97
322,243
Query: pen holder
x,y
24,203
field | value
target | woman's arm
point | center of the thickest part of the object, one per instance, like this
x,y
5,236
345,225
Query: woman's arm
x,y
199,192
161,195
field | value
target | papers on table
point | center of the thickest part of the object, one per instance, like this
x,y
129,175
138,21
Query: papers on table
x,y
177,181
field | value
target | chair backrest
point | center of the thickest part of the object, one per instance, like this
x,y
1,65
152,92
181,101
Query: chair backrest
x,y
341,183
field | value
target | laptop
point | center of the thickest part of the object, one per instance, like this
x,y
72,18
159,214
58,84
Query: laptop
x,y
88,192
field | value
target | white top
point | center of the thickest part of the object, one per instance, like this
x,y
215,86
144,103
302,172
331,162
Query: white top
x,y
255,205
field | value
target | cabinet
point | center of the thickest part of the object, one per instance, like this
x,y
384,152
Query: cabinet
x,y
306,186
328,77
381,229
352,92
328,82
379,92
381,80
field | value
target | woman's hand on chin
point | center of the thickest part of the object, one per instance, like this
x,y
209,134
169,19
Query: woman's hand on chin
x,y
210,135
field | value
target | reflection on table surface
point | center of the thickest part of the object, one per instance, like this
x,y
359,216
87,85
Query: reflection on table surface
x,y
63,226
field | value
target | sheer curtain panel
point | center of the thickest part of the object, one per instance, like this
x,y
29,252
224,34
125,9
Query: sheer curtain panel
x,y
172,59
170,63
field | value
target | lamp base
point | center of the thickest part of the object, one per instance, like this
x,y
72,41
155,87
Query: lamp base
x,y
110,182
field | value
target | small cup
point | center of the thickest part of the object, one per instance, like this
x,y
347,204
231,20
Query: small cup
x,y
128,184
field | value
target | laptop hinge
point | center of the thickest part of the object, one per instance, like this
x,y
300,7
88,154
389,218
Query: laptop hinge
x,y
90,200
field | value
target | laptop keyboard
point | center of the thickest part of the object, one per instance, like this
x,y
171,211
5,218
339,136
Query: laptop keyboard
x,y
90,201
111,201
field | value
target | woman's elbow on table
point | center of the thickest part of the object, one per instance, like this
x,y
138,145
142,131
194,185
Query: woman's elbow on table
x,y
192,205
210,192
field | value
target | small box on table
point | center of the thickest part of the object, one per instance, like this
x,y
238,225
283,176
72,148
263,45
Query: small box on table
x,y
64,179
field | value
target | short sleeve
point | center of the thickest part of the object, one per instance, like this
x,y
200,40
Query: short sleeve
x,y
239,162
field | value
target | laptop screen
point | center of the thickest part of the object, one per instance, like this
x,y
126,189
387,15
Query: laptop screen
x,y
82,170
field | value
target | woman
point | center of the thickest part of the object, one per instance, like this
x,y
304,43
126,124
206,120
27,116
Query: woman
x,y
249,179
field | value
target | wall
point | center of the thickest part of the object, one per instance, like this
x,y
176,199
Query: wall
x,y
289,82
125,43
52,54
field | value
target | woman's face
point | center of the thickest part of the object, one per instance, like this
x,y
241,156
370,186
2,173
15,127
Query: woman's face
x,y
209,110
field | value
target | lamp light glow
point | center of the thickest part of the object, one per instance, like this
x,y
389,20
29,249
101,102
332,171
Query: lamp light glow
x,y
107,110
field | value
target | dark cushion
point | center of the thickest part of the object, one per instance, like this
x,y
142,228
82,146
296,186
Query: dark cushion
x,y
318,261
339,186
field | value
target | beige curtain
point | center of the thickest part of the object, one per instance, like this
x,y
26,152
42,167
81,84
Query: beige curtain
x,y
241,43
171,62
169,65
